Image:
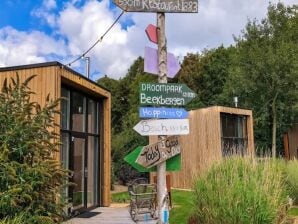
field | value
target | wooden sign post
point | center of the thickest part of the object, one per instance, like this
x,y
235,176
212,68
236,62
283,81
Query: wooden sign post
x,y
162,78
160,7
156,153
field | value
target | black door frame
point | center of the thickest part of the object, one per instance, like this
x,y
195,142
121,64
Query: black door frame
x,y
85,135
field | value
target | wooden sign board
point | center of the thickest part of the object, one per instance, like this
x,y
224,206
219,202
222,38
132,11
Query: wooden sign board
x,y
151,62
153,154
163,127
168,94
163,112
170,6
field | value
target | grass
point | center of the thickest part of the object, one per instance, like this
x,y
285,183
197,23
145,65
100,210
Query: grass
x,y
121,197
293,211
181,201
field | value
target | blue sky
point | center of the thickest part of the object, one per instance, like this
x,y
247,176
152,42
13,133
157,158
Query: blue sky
x,y
33,31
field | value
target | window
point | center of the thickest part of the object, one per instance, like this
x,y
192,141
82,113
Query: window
x,y
92,117
80,149
78,112
233,134
65,106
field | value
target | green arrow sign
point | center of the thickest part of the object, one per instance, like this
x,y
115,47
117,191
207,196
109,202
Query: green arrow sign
x,y
169,94
172,164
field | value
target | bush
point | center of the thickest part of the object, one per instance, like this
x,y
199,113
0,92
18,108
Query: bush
x,y
30,178
241,190
292,179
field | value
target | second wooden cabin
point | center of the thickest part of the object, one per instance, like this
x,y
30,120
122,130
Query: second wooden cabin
x,y
215,132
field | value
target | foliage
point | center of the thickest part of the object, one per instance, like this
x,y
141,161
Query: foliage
x,y
241,190
30,177
292,179
125,103
265,73
206,74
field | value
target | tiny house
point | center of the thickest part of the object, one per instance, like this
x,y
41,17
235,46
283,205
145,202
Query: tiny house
x,y
84,128
215,132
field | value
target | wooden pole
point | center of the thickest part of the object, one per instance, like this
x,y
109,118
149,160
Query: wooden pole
x,y
162,78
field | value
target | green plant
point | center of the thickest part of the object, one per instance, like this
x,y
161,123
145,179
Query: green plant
x,y
121,197
292,179
241,190
30,178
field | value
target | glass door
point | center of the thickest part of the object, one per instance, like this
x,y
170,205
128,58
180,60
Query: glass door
x,y
79,167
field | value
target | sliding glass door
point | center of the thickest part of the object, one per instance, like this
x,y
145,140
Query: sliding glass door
x,y
80,151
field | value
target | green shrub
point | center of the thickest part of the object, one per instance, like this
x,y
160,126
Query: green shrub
x,y
241,190
292,179
30,178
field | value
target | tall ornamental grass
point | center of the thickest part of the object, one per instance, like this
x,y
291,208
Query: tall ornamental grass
x,y
292,179
241,191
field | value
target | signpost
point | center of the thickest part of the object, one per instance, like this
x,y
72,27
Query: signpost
x,y
172,164
151,66
162,112
172,6
171,94
163,127
153,154
161,96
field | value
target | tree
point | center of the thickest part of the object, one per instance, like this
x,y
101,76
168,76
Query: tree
x,y
30,178
206,74
265,73
125,115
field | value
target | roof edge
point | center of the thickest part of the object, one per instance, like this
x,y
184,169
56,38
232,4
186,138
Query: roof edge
x,y
48,64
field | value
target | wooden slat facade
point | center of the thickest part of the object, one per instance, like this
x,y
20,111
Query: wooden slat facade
x,y
292,142
50,77
202,147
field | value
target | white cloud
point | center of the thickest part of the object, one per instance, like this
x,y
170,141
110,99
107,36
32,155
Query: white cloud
x,y
17,47
81,25
45,12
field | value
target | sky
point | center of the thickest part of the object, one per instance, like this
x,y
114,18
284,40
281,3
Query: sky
x,y
34,31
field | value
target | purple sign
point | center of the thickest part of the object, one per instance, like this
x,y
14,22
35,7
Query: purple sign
x,y
151,63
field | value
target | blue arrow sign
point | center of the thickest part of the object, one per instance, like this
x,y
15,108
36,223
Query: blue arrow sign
x,y
162,112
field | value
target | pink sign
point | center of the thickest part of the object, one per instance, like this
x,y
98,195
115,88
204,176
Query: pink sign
x,y
151,32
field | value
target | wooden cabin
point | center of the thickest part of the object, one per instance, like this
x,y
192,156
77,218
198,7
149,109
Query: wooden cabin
x,y
215,132
85,128
291,143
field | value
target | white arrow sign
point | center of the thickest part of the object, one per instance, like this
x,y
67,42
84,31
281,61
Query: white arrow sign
x,y
163,127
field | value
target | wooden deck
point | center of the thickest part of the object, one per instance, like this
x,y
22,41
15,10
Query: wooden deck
x,y
116,214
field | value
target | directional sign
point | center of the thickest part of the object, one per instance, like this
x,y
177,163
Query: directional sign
x,y
169,94
162,112
173,6
172,164
151,32
163,127
153,154
151,65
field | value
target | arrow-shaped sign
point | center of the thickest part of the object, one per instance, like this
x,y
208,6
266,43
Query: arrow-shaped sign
x,y
162,112
174,6
173,164
163,127
169,94
151,63
153,154
151,32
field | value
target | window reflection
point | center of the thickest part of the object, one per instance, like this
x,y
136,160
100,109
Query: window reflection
x,y
78,112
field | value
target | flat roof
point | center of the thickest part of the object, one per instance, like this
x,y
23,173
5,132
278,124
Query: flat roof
x,y
48,64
